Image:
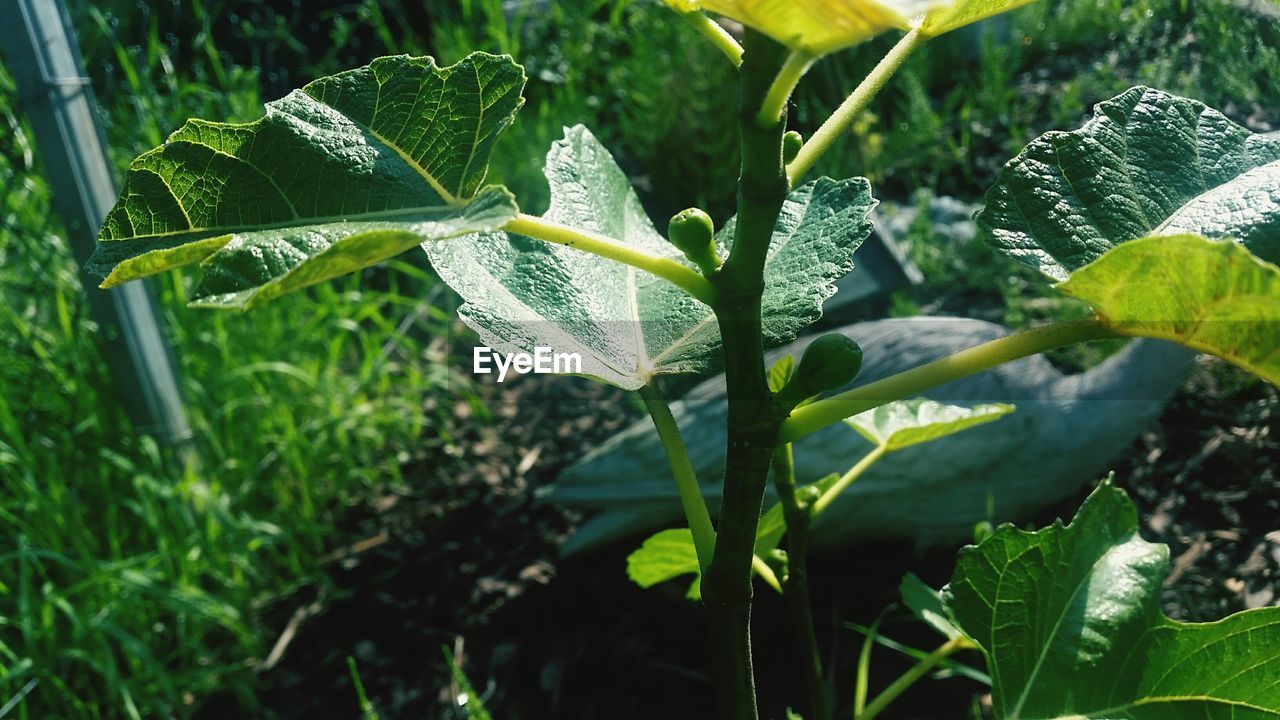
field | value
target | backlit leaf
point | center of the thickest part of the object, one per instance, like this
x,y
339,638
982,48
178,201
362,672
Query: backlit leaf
x,y
665,556
1147,163
926,604
1069,619
348,171
954,15
780,373
1210,295
905,423
816,26
627,325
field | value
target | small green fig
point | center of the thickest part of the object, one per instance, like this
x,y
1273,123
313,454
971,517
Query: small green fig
x,y
829,362
693,232
791,144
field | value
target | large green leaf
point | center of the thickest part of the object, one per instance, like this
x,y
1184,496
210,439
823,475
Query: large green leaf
x,y
1070,621
350,170
1210,295
898,425
1147,163
627,325
954,15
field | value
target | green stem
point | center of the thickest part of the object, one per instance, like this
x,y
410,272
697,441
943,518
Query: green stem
x,y
953,367
695,507
864,665
796,586
842,119
766,573
718,36
846,480
678,274
753,419
797,64
909,678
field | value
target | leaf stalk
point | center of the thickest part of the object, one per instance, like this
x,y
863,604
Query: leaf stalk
x,y
842,119
695,506
678,274
907,679
822,413
795,591
797,64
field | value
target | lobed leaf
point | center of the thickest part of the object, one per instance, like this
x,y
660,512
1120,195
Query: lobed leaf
x,y
626,325
348,171
1210,295
1069,619
1147,163
898,425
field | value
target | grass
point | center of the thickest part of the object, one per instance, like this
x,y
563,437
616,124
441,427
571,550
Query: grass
x,y
131,584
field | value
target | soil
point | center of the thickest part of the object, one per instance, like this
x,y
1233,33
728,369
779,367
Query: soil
x,y
469,561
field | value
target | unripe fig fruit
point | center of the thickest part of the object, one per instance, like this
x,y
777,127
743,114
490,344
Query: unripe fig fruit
x,y
791,144
828,362
693,232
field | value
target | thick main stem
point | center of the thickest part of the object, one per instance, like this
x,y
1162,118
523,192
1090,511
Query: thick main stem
x,y
695,506
753,418
795,589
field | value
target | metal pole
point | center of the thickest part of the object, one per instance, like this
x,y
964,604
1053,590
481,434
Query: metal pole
x,y
40,49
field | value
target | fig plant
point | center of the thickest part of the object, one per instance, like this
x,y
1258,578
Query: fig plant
x,y
1160,213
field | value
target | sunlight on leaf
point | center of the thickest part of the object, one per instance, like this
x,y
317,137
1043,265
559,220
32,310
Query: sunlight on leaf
x,y
665,556
897,425
816,27
627,325
349,171
1070,621
955,15
1147,163
926,604
1210,295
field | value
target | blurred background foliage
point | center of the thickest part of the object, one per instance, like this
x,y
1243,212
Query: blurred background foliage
x,y
129,589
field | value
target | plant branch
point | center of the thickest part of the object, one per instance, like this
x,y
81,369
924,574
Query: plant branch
x,y
846,480
716,33
909,678
953,367
753,419
842,119
678,274
695,506
796,586
797,64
